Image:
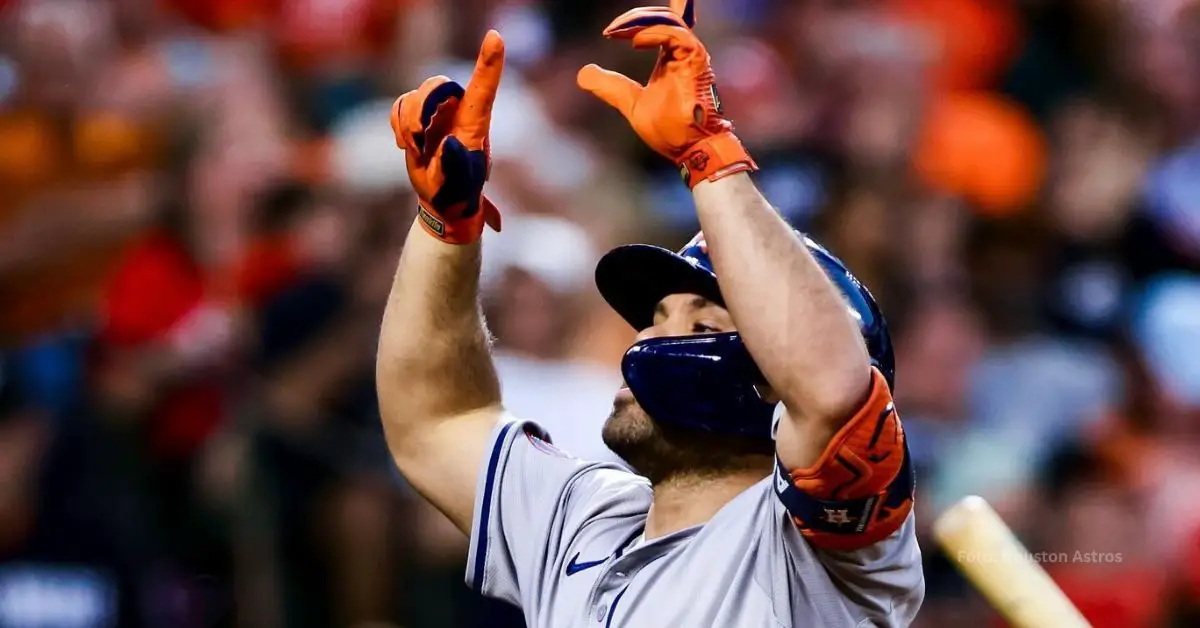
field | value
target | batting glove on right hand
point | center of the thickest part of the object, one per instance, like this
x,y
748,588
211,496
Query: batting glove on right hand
x,y
444,130
677,113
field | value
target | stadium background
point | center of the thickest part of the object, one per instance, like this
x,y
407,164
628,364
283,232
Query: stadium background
x,y
201,208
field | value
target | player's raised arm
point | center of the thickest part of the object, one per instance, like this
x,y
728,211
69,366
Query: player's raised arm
x,y
806,344
438,392
805,341
841,456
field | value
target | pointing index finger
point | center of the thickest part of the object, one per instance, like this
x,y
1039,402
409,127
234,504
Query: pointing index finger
x,y
475,111
685,9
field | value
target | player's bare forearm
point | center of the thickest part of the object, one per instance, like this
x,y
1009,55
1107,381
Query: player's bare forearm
x,y
438,391
791,317
434,359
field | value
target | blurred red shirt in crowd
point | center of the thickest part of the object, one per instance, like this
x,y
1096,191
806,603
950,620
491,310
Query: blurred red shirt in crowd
x,y
1116,597
1127,598
974,41
159,299
307,32
153,291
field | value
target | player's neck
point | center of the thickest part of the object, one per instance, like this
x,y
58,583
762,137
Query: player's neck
x,y
684,501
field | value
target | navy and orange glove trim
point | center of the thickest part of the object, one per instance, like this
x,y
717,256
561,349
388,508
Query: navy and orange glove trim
x,y
444,131
678,112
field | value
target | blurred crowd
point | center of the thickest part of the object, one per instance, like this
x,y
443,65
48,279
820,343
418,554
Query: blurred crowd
x,y
201,207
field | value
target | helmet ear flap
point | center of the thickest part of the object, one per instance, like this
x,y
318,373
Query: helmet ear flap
x,y
707,382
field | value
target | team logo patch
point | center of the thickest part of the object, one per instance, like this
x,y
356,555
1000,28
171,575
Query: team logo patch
x,y
838,516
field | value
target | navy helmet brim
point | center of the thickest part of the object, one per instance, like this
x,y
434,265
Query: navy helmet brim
x,y
633,278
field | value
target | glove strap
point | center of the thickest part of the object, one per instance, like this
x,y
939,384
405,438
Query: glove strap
x,y
713,158
463,230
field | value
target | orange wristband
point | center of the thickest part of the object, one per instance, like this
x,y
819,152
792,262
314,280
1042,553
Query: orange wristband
x,y
713,158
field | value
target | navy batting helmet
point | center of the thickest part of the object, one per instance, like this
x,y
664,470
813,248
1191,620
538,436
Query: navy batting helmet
x,y
710,381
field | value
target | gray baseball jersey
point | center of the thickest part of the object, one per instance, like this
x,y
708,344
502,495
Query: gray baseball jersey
x,y
560,537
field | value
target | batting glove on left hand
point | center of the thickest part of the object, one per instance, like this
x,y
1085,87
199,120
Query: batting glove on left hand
x,y
678,112
444,130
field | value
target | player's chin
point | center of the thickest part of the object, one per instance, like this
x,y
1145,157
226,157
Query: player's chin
x,y
624,405
628,426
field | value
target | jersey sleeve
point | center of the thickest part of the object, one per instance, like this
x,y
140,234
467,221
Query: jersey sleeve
x,y
853,512
531,500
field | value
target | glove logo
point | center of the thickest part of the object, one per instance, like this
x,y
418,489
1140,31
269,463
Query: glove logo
x,y
431,221
698,161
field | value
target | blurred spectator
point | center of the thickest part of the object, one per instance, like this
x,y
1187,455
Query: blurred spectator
x,y
319,463
975,40
939,349
982,149
538,270
78,185
1107,570
69,550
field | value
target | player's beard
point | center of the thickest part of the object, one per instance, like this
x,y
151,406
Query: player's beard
x,y
663,452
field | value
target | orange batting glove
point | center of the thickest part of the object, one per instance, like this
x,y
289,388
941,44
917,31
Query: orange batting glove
x,y
443,130
678,112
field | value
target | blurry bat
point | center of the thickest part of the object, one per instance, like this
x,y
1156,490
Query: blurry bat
x,y
985,550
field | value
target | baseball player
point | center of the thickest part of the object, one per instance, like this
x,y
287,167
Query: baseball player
x,y
774,484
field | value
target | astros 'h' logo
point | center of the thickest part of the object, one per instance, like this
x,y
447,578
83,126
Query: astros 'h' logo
x,y
838,516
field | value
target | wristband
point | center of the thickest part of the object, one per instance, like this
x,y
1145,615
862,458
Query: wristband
x,y
461,230
713,158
